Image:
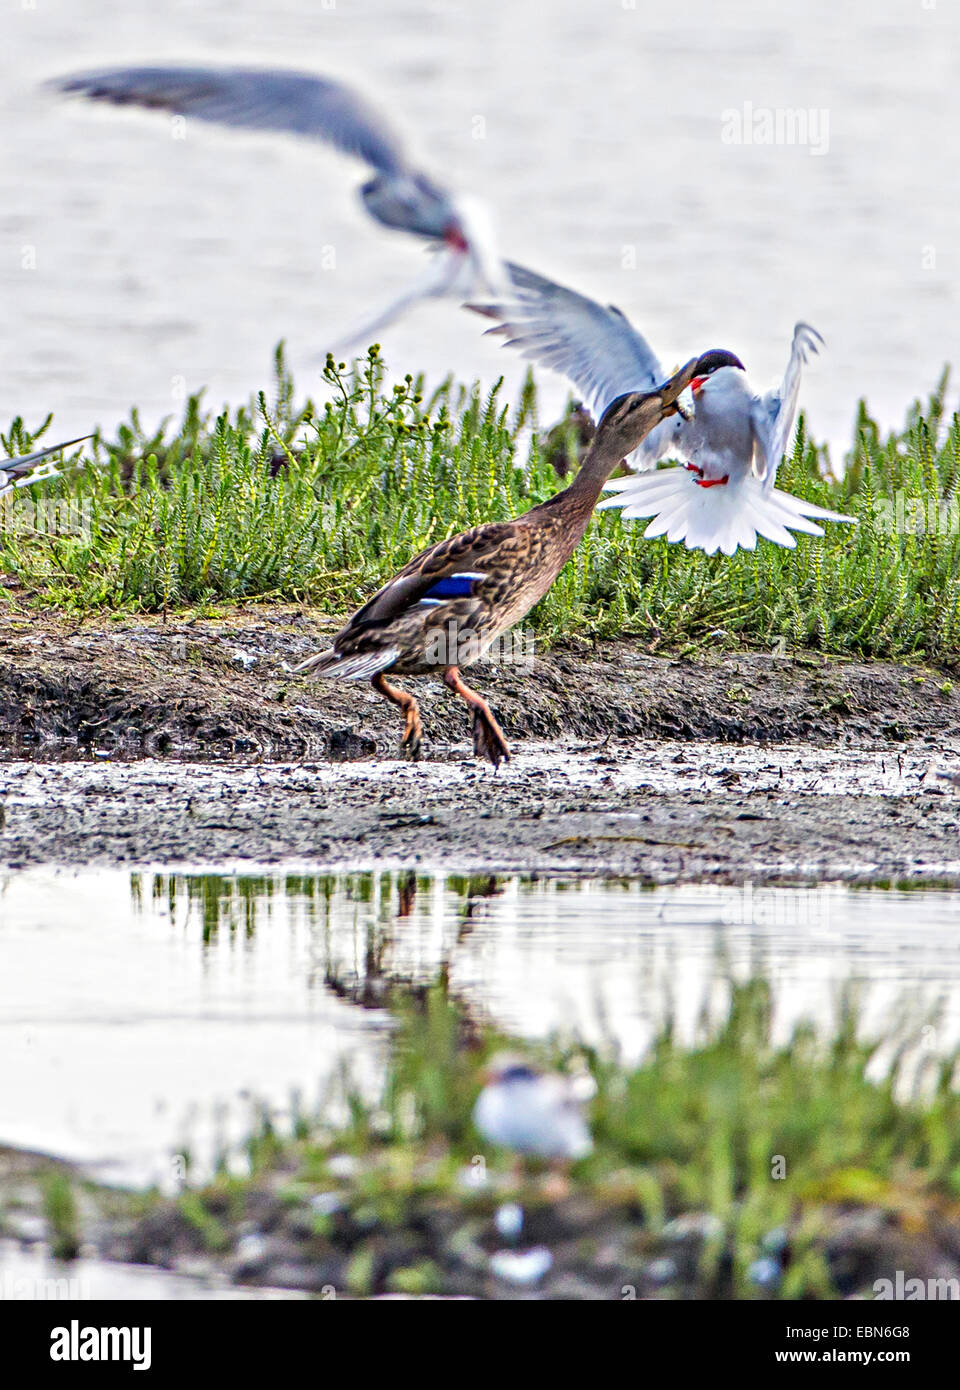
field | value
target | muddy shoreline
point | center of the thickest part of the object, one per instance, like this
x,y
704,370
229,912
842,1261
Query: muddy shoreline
x,y
139,741
151,687
563,811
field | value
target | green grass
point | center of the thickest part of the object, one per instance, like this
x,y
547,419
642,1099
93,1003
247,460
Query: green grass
x,y
60,1210
796,1147
201,513
760,1134
762,1138
711,1117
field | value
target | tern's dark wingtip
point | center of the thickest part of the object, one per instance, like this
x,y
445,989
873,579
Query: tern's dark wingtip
x,y
69,84
487,311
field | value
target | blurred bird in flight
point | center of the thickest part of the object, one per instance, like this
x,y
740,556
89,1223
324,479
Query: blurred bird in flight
x,y
399,195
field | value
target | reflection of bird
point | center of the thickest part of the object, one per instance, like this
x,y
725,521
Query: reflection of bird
x,y
22,471
733,444
399,195
446,607
534,1113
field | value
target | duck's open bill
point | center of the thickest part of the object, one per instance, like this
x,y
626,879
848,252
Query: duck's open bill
x,y
673,388
684,408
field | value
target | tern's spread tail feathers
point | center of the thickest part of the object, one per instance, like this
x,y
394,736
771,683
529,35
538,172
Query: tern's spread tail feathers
x,y
715,518
354,666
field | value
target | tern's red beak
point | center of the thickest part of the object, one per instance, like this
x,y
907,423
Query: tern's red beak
x,y
696,383
453,236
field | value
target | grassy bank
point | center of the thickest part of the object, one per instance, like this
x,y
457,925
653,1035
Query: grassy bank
x,y
739,1168
322,504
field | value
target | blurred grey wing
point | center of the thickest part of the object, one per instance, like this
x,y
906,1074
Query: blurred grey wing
x,y
595,347
298,103
774,414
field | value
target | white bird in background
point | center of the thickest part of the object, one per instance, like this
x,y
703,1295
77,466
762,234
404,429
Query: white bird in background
x,y
724,495
535,1113
399,195
33,468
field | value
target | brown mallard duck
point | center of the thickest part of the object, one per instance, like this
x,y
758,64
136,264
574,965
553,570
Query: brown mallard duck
x,y
446,607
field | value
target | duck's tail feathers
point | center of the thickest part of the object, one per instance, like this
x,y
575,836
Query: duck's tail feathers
x,y
722,518
355,666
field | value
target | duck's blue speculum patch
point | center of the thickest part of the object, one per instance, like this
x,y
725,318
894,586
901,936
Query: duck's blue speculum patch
x,y
452,586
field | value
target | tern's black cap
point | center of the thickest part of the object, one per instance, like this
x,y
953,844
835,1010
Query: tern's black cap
x,y
716,358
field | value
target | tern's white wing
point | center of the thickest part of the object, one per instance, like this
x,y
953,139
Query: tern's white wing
x,y
774,413
256,98
594,346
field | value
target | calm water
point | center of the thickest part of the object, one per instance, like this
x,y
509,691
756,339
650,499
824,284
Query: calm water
x,y
593,130
142,1012
29,1274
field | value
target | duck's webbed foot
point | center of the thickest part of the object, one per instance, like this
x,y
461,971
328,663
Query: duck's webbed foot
x,y
488,739
412,728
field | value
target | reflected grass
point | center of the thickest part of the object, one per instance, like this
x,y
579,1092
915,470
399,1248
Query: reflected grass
x,y
742,1165
737,1167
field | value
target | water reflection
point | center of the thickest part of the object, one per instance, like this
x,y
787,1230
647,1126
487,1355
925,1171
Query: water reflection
x,y
30,1274
148,1012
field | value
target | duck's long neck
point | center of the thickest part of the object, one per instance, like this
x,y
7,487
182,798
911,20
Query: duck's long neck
x,y
576,503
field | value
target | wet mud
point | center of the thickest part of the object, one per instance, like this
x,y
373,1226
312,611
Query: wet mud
x,y
144,741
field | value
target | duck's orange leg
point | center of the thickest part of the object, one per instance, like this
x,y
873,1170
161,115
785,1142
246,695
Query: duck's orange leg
x,y
412,728
488,739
